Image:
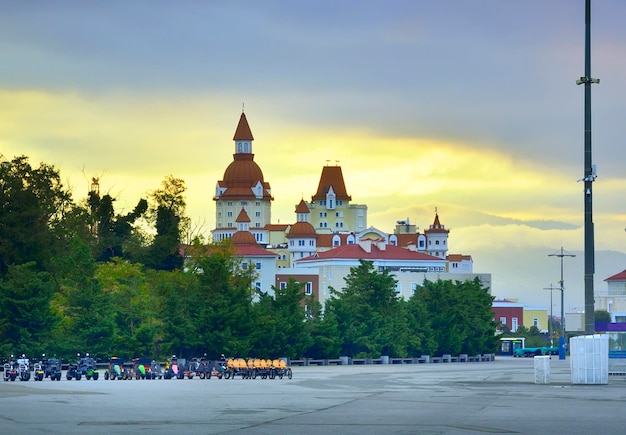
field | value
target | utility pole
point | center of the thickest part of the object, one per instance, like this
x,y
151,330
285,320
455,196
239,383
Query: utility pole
x,y
562,254
589,178
551,322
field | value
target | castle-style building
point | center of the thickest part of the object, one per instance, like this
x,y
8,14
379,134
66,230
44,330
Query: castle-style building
x,y
329,235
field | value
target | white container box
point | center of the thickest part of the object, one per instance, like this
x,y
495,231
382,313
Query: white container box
x,y
589,359
542,369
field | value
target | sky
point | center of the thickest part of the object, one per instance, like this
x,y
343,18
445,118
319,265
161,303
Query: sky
x,y
467,107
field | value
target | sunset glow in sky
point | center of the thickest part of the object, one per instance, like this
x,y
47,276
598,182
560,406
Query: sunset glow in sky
x,y
464,105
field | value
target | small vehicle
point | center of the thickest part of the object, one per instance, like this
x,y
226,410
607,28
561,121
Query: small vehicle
x,y
10,370
51,368
116,369
280,369
73,371
174,368
87,368
218,367
146,368
201,367
23,368
38,371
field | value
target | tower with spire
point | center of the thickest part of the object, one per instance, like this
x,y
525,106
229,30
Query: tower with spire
x,y
437,239
242,186
301,237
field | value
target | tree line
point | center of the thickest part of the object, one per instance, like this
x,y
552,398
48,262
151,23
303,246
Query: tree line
x,y
75,276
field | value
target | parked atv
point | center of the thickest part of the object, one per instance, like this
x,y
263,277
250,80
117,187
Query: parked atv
x,y
116,369
10,370
23,368
38,371
51,368
73,371
87,368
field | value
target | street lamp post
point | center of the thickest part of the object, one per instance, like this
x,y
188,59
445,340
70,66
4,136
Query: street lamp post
x,y
551,322
562,254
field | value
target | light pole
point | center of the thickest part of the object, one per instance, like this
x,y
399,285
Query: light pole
x,y
589,177
551,322
562,254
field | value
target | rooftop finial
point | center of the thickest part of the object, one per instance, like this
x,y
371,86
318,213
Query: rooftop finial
x,y
243,107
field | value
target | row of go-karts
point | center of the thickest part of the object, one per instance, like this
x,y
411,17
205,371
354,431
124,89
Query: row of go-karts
x,y
146,368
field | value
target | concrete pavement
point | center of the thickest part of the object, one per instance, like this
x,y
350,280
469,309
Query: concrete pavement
x,y
451,398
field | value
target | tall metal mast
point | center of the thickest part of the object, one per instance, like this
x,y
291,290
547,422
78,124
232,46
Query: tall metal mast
x,y
590,176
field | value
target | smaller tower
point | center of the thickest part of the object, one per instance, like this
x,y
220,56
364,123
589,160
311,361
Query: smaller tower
x,y
437,239
301,238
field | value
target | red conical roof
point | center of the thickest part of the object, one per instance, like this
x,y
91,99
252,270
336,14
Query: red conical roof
x,y
243,131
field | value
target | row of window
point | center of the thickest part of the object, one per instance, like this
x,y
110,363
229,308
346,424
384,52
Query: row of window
x,y
308,287
325,224
515,323
242,203
324,214
301,242
230,214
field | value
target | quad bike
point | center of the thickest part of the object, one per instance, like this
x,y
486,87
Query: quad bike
x,y
38,371
51,368
10,370
87,367
23,368
73,371
116,369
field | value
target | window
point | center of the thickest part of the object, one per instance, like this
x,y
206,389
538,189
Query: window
x,y
244,265
257,214
258,266
398,288
244,202
503,321
413,287
229,203
421,243
229,214
300,242
308,288
283,285
514,324
258,203
257,286
536,322
436,242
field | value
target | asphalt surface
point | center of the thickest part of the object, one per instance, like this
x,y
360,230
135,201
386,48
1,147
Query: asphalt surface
x,y
498,397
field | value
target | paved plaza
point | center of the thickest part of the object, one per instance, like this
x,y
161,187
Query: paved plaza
x,y
498,397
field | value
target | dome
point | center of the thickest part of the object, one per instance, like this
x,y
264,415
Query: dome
x,y
302,229
243,238
243,172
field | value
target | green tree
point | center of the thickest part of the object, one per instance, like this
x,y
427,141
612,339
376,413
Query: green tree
x,y
461,316
133,302
223,302
281,323
369,313
113,232
324,332
169,217
33,204
87,317
26,317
